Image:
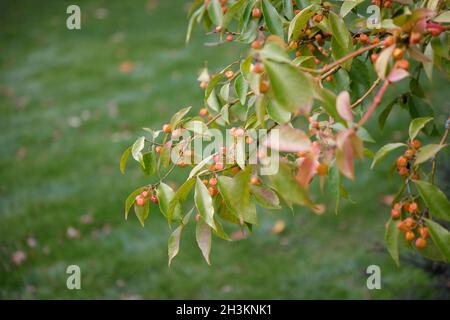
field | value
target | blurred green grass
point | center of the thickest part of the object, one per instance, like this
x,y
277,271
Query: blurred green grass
x,y
67,113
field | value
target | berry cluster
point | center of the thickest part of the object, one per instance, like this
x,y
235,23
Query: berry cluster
x,y
404,163
144,196
411,222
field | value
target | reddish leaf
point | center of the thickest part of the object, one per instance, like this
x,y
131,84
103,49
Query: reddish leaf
x,y
343,106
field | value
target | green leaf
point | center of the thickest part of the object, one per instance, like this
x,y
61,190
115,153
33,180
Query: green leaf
x,y
173,245
198,127
177,117
215,12
200,166
236,194
204,204
272,19
149,161
231,12
339,30
334,185
265,197
427,152
416,125
384,151
136,149
385,114
288,9
288,188
278,114
260,108
179,197
131,199
191,24
164,156
348,5
299,22
391,238
203,237
435,199
340,51
428,66
225,91
245,66
441,237
142,212
241,88
165,194
291,88
124,158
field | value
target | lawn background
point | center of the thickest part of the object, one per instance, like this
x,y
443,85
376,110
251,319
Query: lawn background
x,y
67,112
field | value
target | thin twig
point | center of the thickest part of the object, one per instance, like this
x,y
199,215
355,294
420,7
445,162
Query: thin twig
x,y
365,95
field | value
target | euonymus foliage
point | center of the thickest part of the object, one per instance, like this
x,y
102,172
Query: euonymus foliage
x,y
315,73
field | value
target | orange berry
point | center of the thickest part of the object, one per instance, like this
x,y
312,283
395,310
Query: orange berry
x,y
229,74
363,38
389,41
416,144
154,199
415,37
144,194
263,86
421,243
256,13
413,207
213,182
329,78
374,57
403,171
395,214
409,153
197,217
322,169
410,223
398,53
205,182
248,140
254,180
256,44
409,235
401,226
166,128
375,40
318,17
298,53
424,232
398,206
403,64
218,29
203,112
402,162
213,191
158,149
218,166
140,201
203,84
229,38
258,68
